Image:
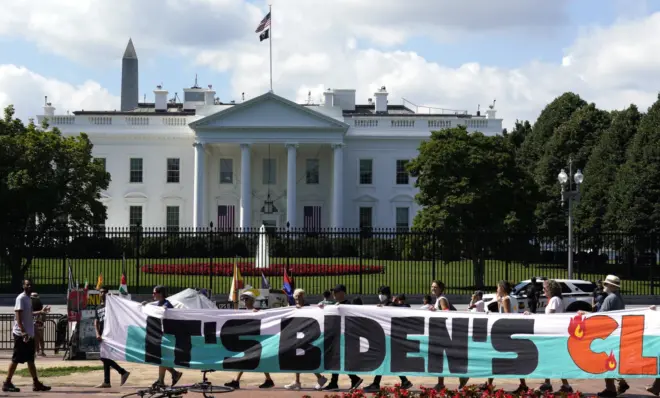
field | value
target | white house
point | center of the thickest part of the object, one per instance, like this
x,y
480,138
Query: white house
x,y
265,160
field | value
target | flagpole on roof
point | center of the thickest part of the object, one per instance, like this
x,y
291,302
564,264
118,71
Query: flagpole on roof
x,y
270,44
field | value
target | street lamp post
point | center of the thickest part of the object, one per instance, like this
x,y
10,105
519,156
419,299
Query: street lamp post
x,y
569,195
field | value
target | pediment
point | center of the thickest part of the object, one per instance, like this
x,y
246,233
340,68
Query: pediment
x,y
136,195
365,198
268,111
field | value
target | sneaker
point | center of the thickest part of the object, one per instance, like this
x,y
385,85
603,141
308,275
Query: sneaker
x,y
607,393
158,385
521,389
320,383
293,386
462,382
623,387
124,377
649,389
565,388
233,384
268,384
545,387
439,387
104,385
38,386
486,387
176,377
407,385
331,387
9,387
356,385
373,387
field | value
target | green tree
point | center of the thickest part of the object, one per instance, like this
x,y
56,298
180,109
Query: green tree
x,y
553,115
600,172
573,140
521,130
470,183
635,198
47,182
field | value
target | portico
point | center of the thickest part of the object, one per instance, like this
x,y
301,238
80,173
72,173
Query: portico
x,y
274,140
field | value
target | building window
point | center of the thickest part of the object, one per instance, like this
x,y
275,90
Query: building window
x,y
226,171
402,176
226,219
173,170
312,217
135,215
312,171
366,171
269,172
101,161
366,217
172,217
402,217
136,170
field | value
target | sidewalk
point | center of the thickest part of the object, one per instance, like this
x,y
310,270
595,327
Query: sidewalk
x,y
142,376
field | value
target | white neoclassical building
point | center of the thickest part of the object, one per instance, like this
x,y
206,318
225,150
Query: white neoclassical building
x,y
266,160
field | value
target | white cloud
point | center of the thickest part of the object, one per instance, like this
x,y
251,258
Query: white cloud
x,y
343,44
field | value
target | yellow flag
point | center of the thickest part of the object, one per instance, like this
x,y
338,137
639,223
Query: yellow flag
x,y
236,284
99,282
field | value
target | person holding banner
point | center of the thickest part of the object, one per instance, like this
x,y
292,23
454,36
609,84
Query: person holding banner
x,y
299,297
552,290
248,298
99,320
505,307
160,299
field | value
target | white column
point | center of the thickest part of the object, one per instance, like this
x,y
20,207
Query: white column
x,y
291,184
246,189
338,186
198,195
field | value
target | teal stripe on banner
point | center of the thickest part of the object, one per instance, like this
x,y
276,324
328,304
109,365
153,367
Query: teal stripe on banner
x,y
554,360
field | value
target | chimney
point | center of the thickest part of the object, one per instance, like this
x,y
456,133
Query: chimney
x,y
161,99
491,112
209,96
49,109
381,100
328,97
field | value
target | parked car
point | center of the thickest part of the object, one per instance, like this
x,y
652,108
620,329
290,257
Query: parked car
x,y
576,295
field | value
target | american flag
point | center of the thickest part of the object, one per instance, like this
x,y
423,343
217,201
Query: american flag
x,y
264,23
312,217
226,217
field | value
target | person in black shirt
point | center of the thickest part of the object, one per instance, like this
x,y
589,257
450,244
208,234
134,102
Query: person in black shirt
x,y
339,293
160,299
533,296
99,320
598,295
385,298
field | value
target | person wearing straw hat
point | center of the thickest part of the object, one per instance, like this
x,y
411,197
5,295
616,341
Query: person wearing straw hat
x,y
613,302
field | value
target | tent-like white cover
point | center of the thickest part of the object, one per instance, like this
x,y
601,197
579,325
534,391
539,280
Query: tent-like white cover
x,y
191,299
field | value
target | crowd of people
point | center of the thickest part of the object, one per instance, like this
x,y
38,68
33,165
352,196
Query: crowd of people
x,y
28,332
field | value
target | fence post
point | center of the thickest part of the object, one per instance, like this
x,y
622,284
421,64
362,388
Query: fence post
x,y
211,257
434,242
361,254
65,274
507,254
288,247
138,239
655,263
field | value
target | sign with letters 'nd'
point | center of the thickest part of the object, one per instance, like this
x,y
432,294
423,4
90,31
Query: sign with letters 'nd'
x,y
386,340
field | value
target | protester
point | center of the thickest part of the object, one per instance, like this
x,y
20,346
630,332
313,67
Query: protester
x,y
39,321
99,321
598,296
385,298
299,297
442,304
160,299
400,301
477,302
655,388
327,298
248,299
339,295
552,290
505,306
532,293
356,301
24,346
426,302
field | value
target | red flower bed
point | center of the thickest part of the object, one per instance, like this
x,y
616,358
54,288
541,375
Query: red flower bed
x,y
465,392
248,269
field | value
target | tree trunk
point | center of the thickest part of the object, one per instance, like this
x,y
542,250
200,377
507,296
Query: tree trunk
x,y
478,271
17,277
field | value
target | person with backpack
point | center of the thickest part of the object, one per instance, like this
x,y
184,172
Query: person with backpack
x,y
442,304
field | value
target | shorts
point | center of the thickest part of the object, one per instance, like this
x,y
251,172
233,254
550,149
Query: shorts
x,y
23,351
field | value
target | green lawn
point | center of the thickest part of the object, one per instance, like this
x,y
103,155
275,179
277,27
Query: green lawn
x,y
410,277
56,371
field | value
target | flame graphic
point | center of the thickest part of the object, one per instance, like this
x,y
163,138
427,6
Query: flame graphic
x,y
576,327
610,362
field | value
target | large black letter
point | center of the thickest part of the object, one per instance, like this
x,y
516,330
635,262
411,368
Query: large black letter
x,y
290,343
528,353
479,330
230,337
401,346
454,346
182,332
153,340
331,342
369,330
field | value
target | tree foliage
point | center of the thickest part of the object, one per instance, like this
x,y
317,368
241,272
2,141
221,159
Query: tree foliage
x,y
521,130
47,182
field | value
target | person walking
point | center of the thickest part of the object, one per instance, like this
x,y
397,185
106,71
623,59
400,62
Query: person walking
x,y
299,297
248,298
385,298
552,291
39,321
24,346
339,295
160,300
99,321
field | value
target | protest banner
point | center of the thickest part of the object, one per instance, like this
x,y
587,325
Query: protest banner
x,y
386,340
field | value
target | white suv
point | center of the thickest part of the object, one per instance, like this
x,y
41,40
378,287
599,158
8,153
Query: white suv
x,y
576,295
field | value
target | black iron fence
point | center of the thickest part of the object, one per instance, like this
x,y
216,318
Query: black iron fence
x,y
55,332
362,260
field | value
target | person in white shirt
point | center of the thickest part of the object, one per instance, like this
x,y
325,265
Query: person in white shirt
x,y
552,290
426,302
477,302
